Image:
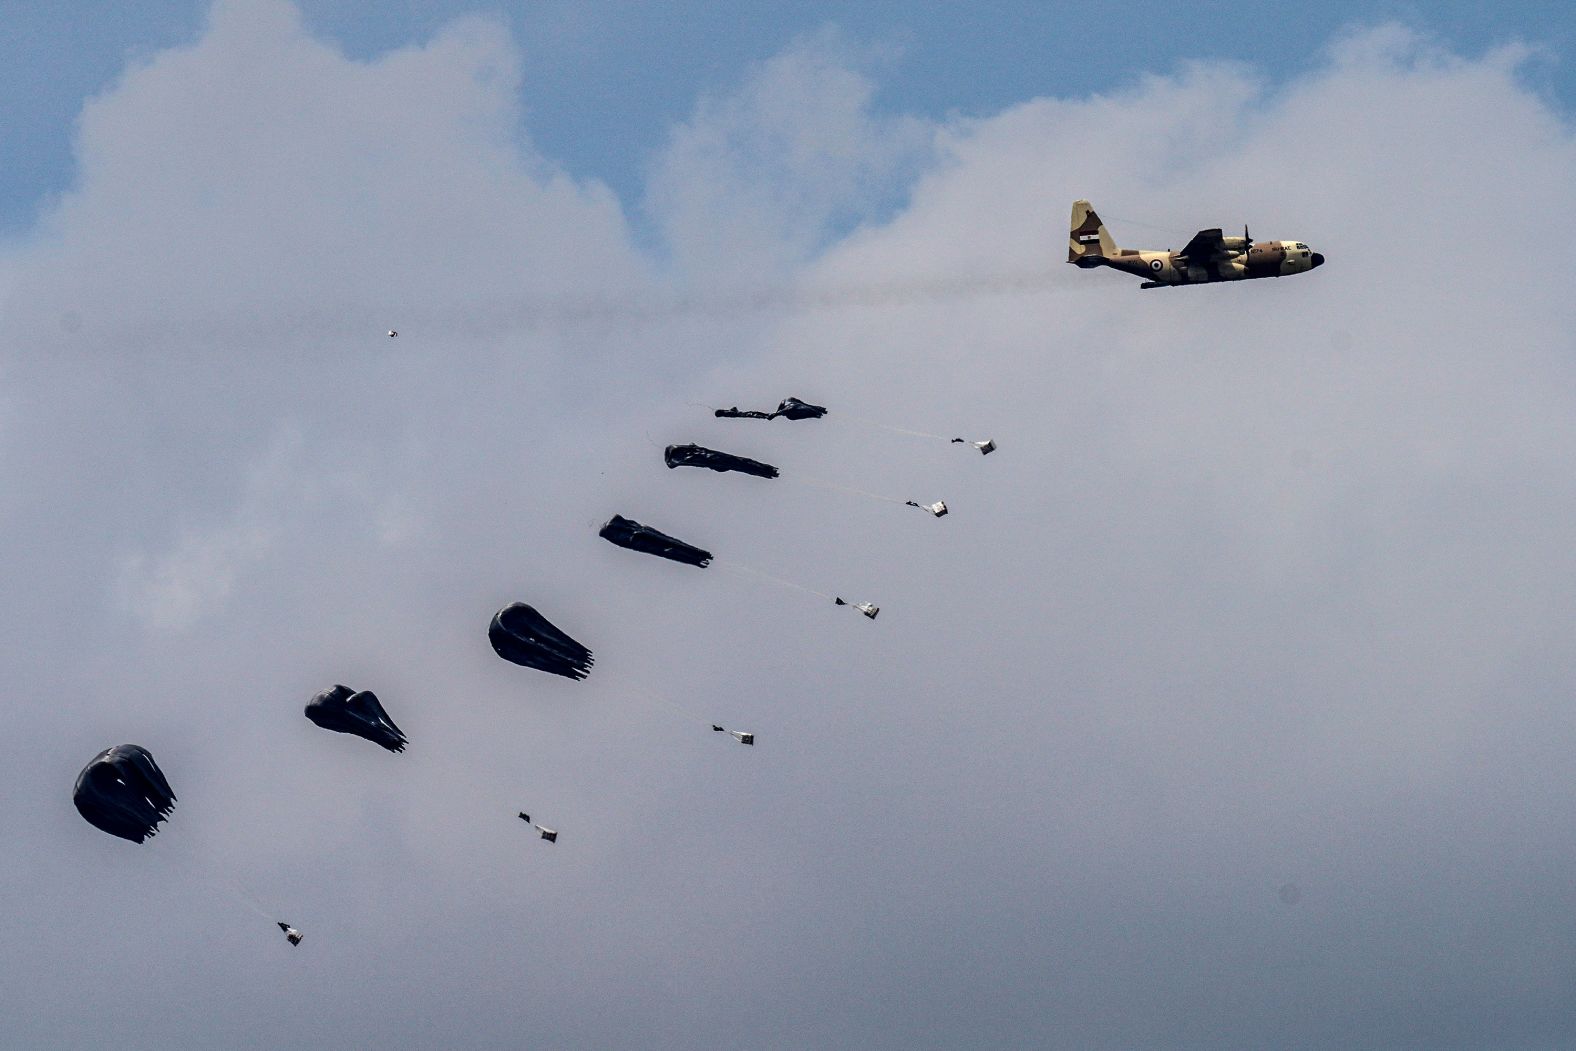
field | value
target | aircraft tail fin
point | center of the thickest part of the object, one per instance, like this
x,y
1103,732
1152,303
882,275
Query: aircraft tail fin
x,y
1088,241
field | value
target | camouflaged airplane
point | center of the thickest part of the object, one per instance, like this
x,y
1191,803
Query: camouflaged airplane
x,y
1208,257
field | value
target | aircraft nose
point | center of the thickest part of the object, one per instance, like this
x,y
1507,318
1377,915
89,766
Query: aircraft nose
x,y
1318,261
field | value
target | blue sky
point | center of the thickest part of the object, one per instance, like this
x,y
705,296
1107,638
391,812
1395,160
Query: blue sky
x,y
604,82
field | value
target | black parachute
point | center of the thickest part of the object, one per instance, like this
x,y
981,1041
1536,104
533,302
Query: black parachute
x,y
520,634
788,409
123,792
626,532
711,459
346,711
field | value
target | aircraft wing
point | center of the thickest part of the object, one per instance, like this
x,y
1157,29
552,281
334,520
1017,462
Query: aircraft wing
x,y
1206,245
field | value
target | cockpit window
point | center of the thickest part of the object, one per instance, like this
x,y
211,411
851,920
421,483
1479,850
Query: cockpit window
x,y
1302,246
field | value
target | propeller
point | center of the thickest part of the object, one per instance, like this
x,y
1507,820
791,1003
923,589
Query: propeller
x,y
1247,242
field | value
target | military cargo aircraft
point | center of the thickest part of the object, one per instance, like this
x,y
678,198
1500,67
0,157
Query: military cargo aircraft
x,y
1208,257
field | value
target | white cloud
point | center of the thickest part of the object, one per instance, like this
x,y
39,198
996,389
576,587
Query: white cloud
x,y
261,178
759,178
194,578
1266,584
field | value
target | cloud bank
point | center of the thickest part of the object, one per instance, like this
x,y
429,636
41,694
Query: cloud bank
x,y
1267,584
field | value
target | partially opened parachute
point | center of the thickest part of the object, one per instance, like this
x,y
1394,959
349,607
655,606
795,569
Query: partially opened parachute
x,y
623,532
123,792
626,532
520,634
711,459
788,409
346,711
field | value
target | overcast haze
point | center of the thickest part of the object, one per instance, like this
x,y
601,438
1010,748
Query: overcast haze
x,y
1267,585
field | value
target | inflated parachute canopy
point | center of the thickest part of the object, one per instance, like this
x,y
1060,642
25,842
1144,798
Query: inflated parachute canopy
x,y
123,792
346,711
788,409
711,459
626,532
520,634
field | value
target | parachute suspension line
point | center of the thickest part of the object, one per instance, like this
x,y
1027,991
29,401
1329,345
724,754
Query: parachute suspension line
x,y
868,609
889,427
487,791
821,483
245,894
938,509
688,718
987,446
736,567
200,870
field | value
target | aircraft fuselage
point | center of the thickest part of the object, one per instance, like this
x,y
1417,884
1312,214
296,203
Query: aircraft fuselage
x,y
1210,256
1263,259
